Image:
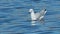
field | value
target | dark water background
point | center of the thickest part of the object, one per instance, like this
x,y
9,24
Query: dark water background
x,y
15,17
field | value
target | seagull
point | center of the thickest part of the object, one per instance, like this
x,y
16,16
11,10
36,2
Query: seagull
x,y
38,15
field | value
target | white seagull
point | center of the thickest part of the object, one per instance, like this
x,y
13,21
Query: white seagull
x,y
38,15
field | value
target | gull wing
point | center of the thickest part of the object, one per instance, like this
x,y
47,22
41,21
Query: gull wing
x,y
41,14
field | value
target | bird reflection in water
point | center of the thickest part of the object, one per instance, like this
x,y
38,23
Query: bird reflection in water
x,y
33,22
41,22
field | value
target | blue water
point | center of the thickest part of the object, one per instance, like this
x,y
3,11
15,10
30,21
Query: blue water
x,y
15,17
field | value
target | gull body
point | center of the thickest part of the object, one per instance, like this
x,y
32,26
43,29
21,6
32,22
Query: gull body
x,y
38,15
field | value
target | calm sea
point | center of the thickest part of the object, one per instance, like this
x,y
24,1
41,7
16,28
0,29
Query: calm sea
x,y
15,17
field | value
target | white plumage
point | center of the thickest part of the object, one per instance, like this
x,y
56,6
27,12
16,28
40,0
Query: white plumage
x,y
38,15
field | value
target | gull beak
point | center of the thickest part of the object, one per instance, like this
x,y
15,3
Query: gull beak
x,y
29,12
45,10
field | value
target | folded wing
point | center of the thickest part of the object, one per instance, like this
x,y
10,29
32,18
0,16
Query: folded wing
x,y
41,14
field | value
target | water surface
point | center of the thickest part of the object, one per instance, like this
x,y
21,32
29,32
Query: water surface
x,y
15,17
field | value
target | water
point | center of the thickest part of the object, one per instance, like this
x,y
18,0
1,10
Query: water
x,y
15,17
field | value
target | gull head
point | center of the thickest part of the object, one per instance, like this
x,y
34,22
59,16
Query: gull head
x,y
31,10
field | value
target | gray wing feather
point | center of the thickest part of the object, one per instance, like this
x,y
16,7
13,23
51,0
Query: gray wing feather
x,y
40,14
